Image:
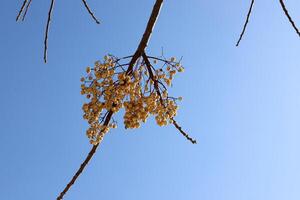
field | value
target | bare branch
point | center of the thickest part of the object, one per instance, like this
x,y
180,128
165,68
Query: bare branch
x,y
26,9
85,162
146,36
79,171
150,25
246,23
47,30
21,10
183,133
289,17
90,12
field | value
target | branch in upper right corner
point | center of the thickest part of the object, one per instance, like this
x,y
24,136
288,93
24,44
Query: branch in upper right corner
x,y
289,17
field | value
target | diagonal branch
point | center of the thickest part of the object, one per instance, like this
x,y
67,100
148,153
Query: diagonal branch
x,y
289,17
21,10
85,162
183,133
90,12
246,23
148,65
79,171
47,30
26,9
146,36
138,53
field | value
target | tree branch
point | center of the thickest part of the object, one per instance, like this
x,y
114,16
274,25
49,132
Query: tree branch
x,y
183,133
26,9
139,52
21,10
146,36
90,12
47,30
289,17
246,23
85,162
151,75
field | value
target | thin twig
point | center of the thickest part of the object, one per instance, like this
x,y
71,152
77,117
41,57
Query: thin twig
x,y
47,30
151,75
156,87
289,17
21,10
90,12
246,23
26,9
183,133
85,162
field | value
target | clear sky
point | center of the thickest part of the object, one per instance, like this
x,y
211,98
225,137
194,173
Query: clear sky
x,y
242,104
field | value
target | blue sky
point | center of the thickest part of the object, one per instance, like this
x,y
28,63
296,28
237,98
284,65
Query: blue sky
x,y
242,104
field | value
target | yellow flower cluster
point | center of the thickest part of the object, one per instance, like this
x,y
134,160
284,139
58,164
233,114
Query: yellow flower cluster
x,y
141,92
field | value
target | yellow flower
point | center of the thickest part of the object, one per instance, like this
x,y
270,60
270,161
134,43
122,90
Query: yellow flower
x,y
88,70
181,69
109,89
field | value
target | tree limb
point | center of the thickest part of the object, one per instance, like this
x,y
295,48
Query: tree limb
x,y
246,23
21,10
183,133
47,30
146,36
139,52
151,75
289,17
90,12
85,162
26,9
134,58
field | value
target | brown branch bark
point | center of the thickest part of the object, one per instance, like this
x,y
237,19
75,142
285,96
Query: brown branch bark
x,y
26,9
85,162
21,10
289,17
138,53
151,75
47,30
183,133
246,23
90,12
146,36
79,171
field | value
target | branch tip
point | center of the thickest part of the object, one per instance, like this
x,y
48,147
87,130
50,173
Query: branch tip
x,y
289,17
183,133
26,9
47,30
245,24
90,12
21,10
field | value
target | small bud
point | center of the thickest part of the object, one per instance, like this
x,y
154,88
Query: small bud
x,y
88,70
